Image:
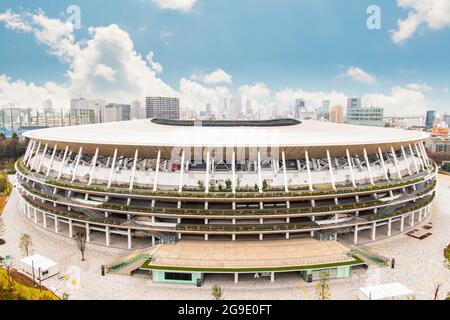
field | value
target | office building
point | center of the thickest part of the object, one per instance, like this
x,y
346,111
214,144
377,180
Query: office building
x,y
162,107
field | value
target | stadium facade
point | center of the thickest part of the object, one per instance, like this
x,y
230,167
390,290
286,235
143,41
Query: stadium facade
x,y
142,183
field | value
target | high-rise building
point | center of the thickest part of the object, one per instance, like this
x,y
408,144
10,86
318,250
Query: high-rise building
x,y
354,103
446,119
431,118
323,112
236,102
337,114
137,111
117,112
248,107
208,110
372,116
84,111
300,106
162,107
47,104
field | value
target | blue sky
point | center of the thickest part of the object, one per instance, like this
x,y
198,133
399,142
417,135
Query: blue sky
x,y
304,45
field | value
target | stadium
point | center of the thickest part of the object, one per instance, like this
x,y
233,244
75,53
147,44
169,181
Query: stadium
x,y
193,198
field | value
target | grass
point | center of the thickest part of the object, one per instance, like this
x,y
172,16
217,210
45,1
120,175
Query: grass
x,y
23,289
356,261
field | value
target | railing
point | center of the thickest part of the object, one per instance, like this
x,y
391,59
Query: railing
x,y
374,257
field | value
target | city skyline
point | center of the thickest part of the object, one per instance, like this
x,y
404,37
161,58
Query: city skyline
x,y
172,50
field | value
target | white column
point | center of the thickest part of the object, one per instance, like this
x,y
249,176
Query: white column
x,y
260,186
113,165
369,169
31,153
308,169
352,174
420,158
70,228
44,219
399,173
80,154
286,188
406,160
208,163
272,277
402,223
133,172
36,156
108,236
236,277
56,224
158,161
414,159
180,185
380,154
27,153
355,235
423,153
94,163
374,231
43,157
51,160
331,170
389,227
88,233
62,162
233,171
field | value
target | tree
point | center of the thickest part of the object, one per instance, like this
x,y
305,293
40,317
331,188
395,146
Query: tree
x,y
436,291
2,231
265,185
9,279
323,287
228,184
216,292
25,245
80,240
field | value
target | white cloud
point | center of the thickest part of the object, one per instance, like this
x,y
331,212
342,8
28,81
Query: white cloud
x,y
105,72
155,66
179,5
258,93
14,21
434,14
195,96
419,87
360,75
215,77
19,93
401,101
105,66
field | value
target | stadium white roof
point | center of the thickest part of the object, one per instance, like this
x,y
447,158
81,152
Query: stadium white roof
x,y
146,133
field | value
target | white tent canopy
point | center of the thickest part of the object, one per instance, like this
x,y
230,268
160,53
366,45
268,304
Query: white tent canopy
x,y
43,267
386,291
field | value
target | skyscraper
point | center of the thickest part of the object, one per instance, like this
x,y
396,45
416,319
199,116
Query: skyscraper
x,y
431,118
354,103
300,106
137,111
162,107
337,114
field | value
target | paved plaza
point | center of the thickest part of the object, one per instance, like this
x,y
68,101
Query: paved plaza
x,y
419,266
